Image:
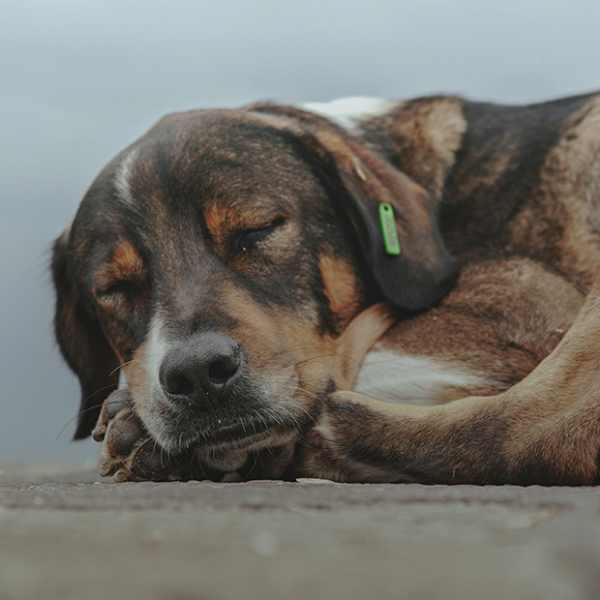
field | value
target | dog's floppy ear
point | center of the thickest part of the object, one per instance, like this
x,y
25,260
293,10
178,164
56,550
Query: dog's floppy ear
x,y
360,181
81,341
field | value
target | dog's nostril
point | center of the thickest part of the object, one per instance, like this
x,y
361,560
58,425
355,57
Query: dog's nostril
x,y
203,370
179,385
222,371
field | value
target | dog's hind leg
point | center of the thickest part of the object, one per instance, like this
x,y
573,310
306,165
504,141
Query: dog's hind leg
x,y
544,430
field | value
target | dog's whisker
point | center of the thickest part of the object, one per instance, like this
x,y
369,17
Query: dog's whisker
x,y
303,391
129,362
81,412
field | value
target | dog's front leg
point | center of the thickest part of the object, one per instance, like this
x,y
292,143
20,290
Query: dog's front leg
x,y
477,441
545,430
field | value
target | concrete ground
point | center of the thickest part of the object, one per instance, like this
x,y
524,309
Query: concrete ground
x,y
64,534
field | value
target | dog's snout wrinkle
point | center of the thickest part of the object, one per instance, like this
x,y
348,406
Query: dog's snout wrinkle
x,y
202,370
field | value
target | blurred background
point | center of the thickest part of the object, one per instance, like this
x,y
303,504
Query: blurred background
x,y
80,80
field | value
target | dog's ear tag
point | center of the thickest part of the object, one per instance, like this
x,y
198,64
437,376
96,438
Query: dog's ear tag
x,y
388,228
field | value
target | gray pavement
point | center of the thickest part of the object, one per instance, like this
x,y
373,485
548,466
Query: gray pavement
x,y
66,534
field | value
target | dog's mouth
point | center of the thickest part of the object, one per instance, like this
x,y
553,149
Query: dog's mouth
x,y
229,444
239,433
218,434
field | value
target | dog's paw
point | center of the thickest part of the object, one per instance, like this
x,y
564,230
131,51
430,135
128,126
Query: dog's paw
x,y
321,454
339,446
128,452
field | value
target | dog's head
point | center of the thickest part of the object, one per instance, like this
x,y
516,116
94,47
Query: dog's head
x,y
219,261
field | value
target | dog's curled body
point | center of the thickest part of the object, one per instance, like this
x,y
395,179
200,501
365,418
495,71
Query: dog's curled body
x,y
231,264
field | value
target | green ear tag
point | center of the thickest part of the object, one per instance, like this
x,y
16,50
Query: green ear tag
x,y
388,228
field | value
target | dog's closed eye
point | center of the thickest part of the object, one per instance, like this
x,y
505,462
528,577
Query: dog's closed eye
x,y
246,239
118,288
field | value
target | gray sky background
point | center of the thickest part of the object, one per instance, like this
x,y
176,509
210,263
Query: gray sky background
x,y
80,80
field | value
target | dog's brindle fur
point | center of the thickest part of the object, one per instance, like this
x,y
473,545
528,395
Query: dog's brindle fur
x,y
259,225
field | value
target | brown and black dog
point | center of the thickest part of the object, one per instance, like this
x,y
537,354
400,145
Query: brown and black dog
x,y
232,265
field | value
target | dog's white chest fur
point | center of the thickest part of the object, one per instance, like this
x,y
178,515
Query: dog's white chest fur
x,y
409,379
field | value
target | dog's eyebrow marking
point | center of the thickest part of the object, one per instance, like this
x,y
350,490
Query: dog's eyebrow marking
x,y
347,112
126,259
406,379
219,217
123,176
125,264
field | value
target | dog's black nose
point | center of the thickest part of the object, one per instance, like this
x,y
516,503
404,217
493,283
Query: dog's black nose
x,y
202,369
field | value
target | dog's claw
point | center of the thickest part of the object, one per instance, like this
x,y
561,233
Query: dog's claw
x,y
122,475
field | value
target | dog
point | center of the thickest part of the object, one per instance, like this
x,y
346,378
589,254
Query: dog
x,y
235,266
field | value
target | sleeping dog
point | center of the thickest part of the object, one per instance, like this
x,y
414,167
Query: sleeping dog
x,y
361,290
